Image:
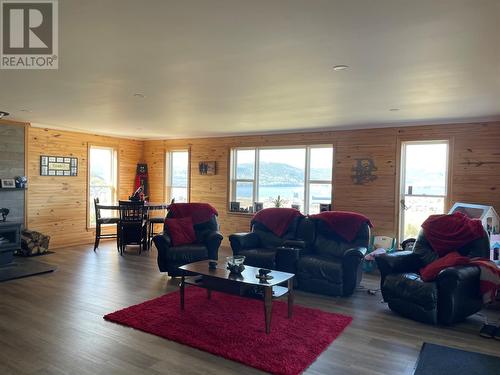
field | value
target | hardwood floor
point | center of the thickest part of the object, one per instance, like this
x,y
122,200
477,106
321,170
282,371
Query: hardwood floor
x,y
52,324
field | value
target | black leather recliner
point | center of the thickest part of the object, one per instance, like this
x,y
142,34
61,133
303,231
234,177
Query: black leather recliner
x,y
331,265
452,297
322,261
208,240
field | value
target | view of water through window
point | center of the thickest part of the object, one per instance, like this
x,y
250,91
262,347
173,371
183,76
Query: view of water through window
x,y
282,173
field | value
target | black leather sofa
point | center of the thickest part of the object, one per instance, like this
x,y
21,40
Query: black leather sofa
x,y
322,261
452,297
208,240
261,246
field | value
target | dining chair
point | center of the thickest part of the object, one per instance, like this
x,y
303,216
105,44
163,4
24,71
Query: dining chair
x,y
132,225
152,221
100,221
155,220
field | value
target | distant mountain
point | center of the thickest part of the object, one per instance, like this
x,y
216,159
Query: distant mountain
x,y
280,174
426,182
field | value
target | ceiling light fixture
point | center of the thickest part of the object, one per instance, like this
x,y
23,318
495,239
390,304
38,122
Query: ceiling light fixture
x,y
394,109
139,95
3,114
25,110
340,67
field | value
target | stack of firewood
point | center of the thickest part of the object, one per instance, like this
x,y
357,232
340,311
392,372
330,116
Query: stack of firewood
x,y
33,243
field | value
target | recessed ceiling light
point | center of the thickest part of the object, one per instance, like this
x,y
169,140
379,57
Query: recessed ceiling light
x,y
4,114
340,67
394,109
139,95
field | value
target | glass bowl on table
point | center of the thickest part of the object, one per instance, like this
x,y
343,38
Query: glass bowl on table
x,y
235,263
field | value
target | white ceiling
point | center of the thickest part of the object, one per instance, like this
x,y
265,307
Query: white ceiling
x,y
218,67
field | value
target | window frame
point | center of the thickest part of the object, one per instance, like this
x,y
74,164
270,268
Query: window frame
x,y
233,162
401,181
168,175
115,167
309,181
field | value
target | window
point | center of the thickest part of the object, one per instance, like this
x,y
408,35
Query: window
x,y
177,174
102,177
423,185
300,176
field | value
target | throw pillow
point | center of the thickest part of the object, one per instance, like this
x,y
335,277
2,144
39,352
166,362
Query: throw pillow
x,y
181,231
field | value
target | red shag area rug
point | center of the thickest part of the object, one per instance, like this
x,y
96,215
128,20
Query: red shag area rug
x,y
233,327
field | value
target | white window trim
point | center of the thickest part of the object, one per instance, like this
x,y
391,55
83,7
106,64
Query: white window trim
x,y
168,175
255,181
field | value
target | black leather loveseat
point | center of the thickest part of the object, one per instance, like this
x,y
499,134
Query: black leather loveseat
x,y
207,243
452,297
323,261
332,265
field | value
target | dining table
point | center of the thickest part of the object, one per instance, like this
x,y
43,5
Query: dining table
x,y
149,207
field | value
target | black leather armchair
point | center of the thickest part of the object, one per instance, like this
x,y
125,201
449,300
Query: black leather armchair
x,y
452,297
208,240
332,265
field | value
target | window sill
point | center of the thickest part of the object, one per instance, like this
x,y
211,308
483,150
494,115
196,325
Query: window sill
x,y
249,214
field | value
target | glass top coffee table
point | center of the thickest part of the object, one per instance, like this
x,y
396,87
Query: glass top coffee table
x,y
245,284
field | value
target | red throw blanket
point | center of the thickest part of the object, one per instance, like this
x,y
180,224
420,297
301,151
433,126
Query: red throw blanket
x,y
345,224
198,212
489,282
447,233
276,220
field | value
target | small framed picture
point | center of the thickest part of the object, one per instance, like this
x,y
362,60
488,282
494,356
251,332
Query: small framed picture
x,y
8,183
234,206
257,206
207,168
325,207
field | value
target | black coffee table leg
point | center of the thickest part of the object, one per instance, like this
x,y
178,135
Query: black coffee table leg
x,y
182,285
268,306
290,298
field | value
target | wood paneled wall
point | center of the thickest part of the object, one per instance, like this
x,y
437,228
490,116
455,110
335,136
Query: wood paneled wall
x,y
474,167
57,206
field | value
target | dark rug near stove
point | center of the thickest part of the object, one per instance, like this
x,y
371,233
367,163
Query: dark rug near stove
x,y
48,252
24,267
437,360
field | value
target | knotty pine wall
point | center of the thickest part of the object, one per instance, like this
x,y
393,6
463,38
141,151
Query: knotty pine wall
x,y
474,167
57,206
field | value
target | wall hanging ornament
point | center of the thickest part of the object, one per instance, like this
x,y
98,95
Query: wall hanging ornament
x,y
141,178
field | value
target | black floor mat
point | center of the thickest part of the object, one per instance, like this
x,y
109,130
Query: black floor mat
x,y
24,267
443,360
